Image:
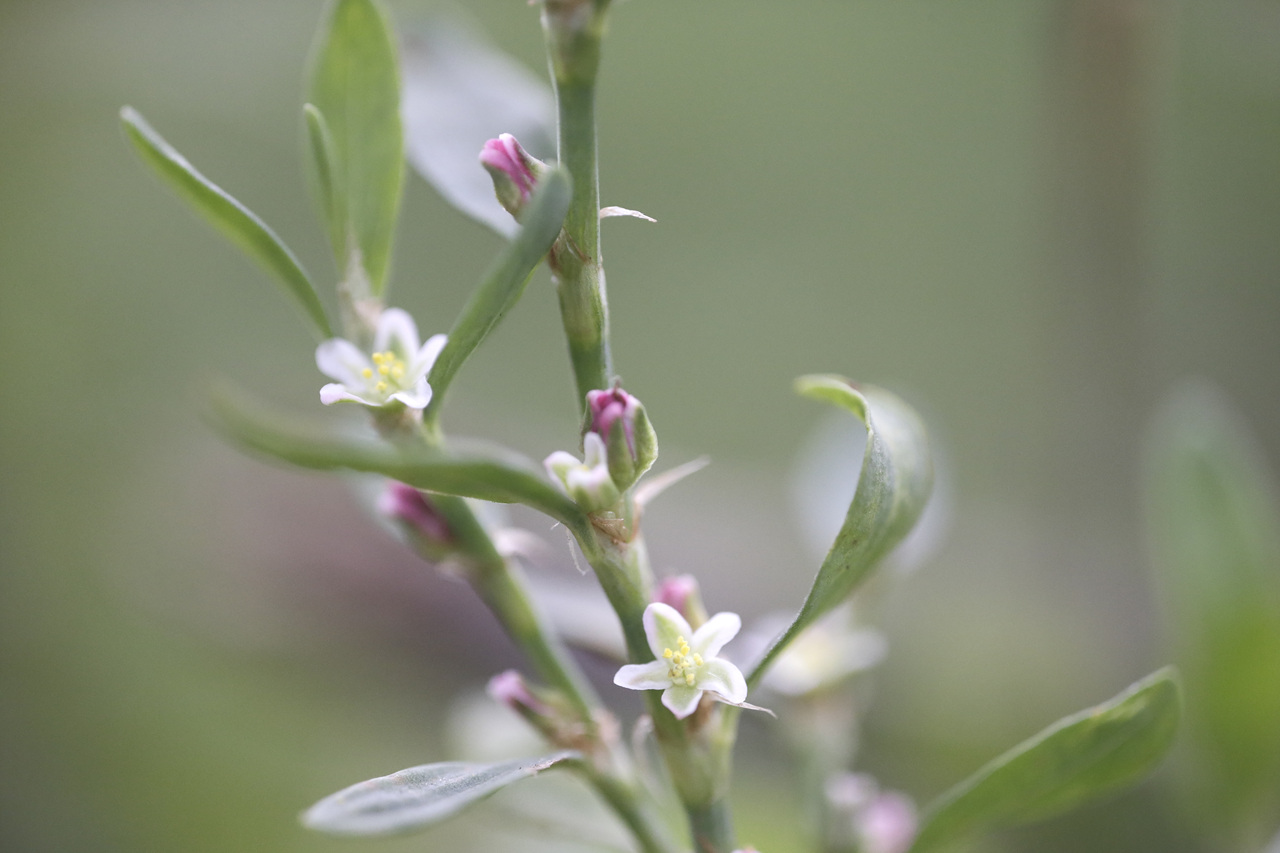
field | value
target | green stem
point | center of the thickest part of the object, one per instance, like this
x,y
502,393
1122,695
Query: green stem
x,y
573,31
712,826
636,811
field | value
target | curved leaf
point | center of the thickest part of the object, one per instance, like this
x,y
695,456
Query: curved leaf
x,y
226,214
325,171
489,474
1079,758
893,487
505,282
420,796
460,91
355,85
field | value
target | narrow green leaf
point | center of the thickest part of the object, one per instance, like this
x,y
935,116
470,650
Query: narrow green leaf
x,y
505,282
893,487
226,214
1214,529
486,473
416,798
1079,758
325,173
355,85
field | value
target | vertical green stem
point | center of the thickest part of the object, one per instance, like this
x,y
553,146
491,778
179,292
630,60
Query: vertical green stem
x,y
573,30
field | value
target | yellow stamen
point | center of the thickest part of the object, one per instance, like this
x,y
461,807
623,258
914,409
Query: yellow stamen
x,y
367,373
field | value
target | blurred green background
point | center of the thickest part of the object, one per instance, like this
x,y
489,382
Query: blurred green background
x,y
1031,217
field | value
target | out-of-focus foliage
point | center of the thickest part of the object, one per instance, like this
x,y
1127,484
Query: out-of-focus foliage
x,y
1215,536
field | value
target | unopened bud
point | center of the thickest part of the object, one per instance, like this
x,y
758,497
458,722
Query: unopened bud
x,y
509,688
866,818
414,513
514,171
681,593
620,419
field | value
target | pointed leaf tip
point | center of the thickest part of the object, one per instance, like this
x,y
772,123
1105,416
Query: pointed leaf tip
x,y
418,797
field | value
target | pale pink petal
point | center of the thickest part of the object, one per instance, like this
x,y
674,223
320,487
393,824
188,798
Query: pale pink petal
x,y
681,700
342,360
718,630
724,679
663,625
643,676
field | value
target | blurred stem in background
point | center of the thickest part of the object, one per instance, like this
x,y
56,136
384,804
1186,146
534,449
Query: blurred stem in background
x,y
1105,78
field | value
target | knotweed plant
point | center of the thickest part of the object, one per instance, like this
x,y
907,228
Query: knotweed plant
x,y
362,105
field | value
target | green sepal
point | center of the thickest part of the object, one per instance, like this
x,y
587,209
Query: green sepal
x,y
505,282
355,86
419,797
228,215
893,488
631,460
1096,752
484,472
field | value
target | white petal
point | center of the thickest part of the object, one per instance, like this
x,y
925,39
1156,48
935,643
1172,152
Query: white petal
x,y
427,355
334,393
594,454
397,332
718,630
612,210
724,679
416,398
681,700
558,466
342,360
663,624
644,676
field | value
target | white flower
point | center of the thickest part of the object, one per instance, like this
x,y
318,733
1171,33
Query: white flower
x,y
396,370
686,664
588,482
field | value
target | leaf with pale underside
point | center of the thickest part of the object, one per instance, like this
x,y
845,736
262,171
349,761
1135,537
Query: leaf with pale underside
x,y
893,488
416,798
1082,757
459,92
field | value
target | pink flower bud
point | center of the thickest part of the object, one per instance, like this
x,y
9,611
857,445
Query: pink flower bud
x,y
410,507
514,171
683,595
607,408
509,688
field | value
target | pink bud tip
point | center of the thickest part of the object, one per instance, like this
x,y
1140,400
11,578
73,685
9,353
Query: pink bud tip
x,y
607,407
404,503
505,155
509,688
888,823
676,592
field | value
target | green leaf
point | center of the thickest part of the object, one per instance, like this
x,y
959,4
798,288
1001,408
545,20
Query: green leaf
x,y
325,167
416,798
1214,528
893,487
482,472
355,86
1079,758
226,214
505,282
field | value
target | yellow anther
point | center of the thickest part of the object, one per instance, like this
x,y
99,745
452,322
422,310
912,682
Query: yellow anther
x,y
688,679
684,649
367,373
381,387
383,370
666,653
397,370
697,660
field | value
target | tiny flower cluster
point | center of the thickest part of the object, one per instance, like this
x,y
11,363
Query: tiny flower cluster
x,y
394,372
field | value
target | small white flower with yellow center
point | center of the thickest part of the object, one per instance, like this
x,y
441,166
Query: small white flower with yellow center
x,y
686,664
396,370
